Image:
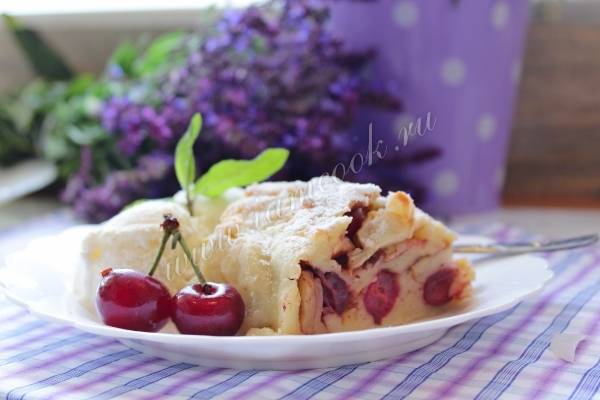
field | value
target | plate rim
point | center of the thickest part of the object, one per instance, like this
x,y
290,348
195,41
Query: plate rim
x,y
97,328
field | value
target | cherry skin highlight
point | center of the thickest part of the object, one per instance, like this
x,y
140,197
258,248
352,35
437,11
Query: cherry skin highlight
x,y
215,309
132,300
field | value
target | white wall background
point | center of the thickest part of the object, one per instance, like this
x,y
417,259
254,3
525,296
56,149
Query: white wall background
x,y
87,31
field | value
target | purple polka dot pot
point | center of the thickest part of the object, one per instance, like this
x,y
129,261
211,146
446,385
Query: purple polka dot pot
x,y
457,62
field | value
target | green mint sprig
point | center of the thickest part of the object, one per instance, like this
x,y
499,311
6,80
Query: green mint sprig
x,y
224,174
231,173
185,162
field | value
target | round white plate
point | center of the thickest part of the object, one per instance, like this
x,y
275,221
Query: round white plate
x,y
40,279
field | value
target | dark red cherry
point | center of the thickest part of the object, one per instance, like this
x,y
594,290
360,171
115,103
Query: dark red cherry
x,y
381,295
436,290
132,300
208,309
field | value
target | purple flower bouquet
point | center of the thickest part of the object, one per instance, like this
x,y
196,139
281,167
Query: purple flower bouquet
x,y
263,79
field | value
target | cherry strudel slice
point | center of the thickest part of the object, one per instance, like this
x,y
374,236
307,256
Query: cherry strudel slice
x,y
330,256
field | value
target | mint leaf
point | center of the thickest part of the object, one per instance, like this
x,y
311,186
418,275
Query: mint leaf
x,y
231,173
185,162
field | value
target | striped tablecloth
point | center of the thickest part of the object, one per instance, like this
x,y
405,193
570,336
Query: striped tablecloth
x,y
504,355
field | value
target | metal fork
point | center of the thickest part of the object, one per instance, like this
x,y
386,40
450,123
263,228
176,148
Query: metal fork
x,y
527,247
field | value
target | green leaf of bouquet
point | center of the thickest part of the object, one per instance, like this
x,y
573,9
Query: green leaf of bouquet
x,y
124,57
80,84
185,162
85,135
232,173
45,61
157,54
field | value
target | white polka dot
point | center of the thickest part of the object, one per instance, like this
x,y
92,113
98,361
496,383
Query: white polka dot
x,y
500,15
445,183
453,71
499,177
406,14
515,71
486,127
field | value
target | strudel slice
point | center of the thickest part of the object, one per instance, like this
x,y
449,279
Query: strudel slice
x,y
330,256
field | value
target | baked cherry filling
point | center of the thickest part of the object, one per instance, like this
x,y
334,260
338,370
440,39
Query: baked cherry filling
x,y
436,291
381,295
342,259
358,215
375,257
335,290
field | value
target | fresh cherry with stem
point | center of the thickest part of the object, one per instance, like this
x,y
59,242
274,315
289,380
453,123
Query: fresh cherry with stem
x,y
132,300
204,308
129,299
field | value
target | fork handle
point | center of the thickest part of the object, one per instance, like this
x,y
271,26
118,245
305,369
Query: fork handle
x,y
526,247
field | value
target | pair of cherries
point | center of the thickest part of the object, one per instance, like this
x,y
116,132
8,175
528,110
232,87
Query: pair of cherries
x,y
132,300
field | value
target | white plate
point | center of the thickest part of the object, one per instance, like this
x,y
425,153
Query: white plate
x,y
39,278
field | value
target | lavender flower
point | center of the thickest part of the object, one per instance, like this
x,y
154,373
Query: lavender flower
x,y
265,81
152,177
266,77
141,123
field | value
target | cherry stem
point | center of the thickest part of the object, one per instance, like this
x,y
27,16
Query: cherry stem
x,y
160,252
170,228
188,254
